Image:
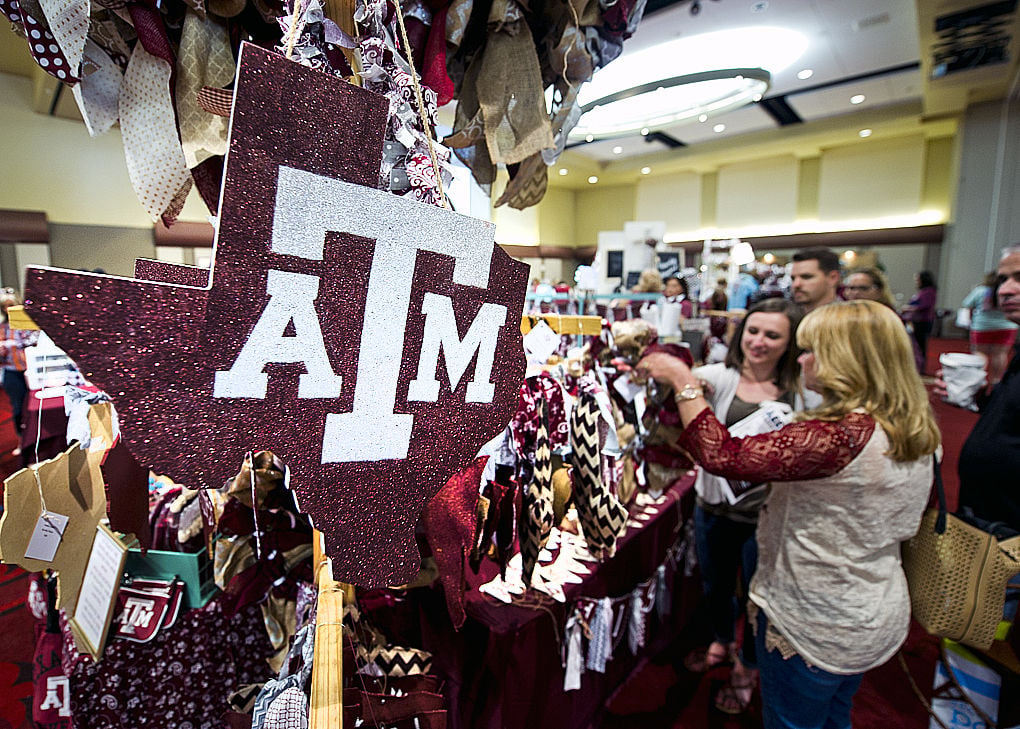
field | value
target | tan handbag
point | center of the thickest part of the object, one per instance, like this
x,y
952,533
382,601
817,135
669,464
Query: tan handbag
x,y
957,574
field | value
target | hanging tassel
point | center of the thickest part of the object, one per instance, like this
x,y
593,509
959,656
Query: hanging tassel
x,y
601,626
574,661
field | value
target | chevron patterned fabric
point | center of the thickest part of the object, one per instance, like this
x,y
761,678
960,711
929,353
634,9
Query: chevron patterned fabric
x,y
603,518
537,499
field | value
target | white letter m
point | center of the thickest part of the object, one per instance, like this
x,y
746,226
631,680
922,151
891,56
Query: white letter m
x,y
441,331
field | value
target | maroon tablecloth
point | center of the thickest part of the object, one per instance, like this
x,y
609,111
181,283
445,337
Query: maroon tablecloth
x,y
503,669
46,422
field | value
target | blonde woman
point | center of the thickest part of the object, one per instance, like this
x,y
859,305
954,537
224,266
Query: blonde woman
x,y
850,480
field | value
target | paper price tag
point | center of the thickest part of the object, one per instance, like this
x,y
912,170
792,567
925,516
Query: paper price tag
x,y
541,342
627,389
49,530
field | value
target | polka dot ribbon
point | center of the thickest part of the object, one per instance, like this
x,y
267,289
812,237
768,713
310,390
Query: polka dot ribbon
x,y
155,159
41,43
68,22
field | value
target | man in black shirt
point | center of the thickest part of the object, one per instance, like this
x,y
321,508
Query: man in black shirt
x,y
989,463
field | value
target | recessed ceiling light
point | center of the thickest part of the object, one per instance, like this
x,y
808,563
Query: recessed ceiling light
x,y
719,128
590,138
864,133
857,99
563,171
617,149
756,97
645,170
805,74
592,180
703,118
645,131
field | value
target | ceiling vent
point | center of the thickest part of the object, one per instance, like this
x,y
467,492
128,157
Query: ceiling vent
x,y
972,38
870,22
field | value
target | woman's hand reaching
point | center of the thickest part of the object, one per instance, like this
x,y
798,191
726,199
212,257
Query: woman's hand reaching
x,y
666,369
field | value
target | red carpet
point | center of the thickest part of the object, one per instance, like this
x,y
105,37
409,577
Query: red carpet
x,y
885,699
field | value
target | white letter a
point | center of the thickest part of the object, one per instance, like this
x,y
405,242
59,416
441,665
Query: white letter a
x,y
291,298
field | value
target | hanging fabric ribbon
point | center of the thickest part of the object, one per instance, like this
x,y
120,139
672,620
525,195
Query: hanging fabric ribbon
x,y
155,160
69,24
603,518
600,645
537,499
204,59
98,93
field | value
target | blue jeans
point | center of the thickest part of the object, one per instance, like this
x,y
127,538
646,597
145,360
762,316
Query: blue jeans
x,y
795,695
724,546
16,387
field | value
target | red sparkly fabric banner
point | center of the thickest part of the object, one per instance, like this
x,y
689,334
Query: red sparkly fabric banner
x,y
370,341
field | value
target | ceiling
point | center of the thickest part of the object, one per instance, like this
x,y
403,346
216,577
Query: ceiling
x,y
918,64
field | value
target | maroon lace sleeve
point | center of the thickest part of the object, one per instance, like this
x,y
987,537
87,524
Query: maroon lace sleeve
x,y
799,451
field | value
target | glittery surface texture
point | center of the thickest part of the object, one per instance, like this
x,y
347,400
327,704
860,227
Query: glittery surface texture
x,y
146,269
155,346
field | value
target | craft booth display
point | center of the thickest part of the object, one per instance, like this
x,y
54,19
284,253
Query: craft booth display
x,y
341,410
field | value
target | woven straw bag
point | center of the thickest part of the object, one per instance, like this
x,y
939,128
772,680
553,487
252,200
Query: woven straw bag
x,y
957,574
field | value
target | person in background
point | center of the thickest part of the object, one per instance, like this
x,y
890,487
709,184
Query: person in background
x,y
744,289
850,481
718,300
12,358
871,284
650,282
868,283
675,291
990,457
760,366
815,277
716,341
920,312
992,335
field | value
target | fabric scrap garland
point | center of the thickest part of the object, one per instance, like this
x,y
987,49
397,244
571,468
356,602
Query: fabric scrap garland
x,y
597,626
146,68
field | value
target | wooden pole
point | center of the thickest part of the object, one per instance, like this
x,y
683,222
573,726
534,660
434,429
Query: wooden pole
x,y
341,12
326,710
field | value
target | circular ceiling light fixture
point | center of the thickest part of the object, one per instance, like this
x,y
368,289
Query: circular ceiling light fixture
x,y
710,73
666,102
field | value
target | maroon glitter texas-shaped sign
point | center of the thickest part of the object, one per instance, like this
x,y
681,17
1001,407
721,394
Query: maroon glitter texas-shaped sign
x,y
371,341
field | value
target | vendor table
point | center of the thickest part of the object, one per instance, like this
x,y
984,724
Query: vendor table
x,y
46,422
504,670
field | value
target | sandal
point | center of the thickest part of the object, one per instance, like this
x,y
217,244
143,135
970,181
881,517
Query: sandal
x,y
700,660
735,697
